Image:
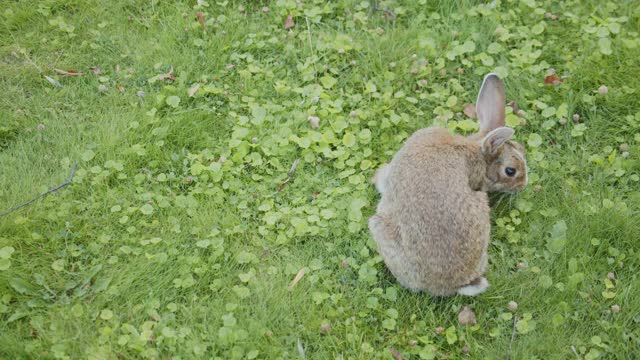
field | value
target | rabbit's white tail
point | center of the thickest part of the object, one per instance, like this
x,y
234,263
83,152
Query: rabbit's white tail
x,y
380,178
477,287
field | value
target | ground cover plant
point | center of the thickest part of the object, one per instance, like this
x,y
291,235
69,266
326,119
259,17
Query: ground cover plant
x,y
224,152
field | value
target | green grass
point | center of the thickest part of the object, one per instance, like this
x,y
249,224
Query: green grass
x,y
159,249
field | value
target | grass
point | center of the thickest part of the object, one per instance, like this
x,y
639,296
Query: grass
x,y
174,241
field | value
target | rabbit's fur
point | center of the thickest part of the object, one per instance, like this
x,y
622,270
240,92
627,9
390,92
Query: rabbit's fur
x,y
432,224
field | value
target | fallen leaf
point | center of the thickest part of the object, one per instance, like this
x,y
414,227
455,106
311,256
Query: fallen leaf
x,y
396,355
603,90
194,89
550,16
314,121
325,328
96,70
284,183
200,17
292,170
299,276
167,76
68,72
467,317
470,111
53,81
387,14
288,22
553,79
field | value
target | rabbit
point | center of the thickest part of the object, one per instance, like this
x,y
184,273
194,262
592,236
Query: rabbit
x,y
432,224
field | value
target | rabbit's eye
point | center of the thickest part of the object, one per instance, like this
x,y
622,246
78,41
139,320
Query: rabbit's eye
x,y
511,172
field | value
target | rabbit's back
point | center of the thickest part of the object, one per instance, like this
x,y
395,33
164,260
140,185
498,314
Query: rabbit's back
x,y
443,225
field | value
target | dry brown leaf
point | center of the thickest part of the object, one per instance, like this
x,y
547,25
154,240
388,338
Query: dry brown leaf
x,y
467,317
551,16
470,111
294,166
284,183
299,276
288,22
396,355
96,70
193,90
325,328
553,79
68,72
169,75
200,17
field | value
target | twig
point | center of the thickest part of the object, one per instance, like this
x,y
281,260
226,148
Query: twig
x,y
67,182
513,336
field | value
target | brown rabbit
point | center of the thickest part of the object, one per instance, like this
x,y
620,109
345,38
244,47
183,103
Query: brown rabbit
x,y
432,224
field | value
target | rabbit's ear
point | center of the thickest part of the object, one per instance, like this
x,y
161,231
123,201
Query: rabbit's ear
x,y
490,103
495,139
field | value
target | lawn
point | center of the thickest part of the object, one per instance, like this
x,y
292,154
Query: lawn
x,y
225,151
